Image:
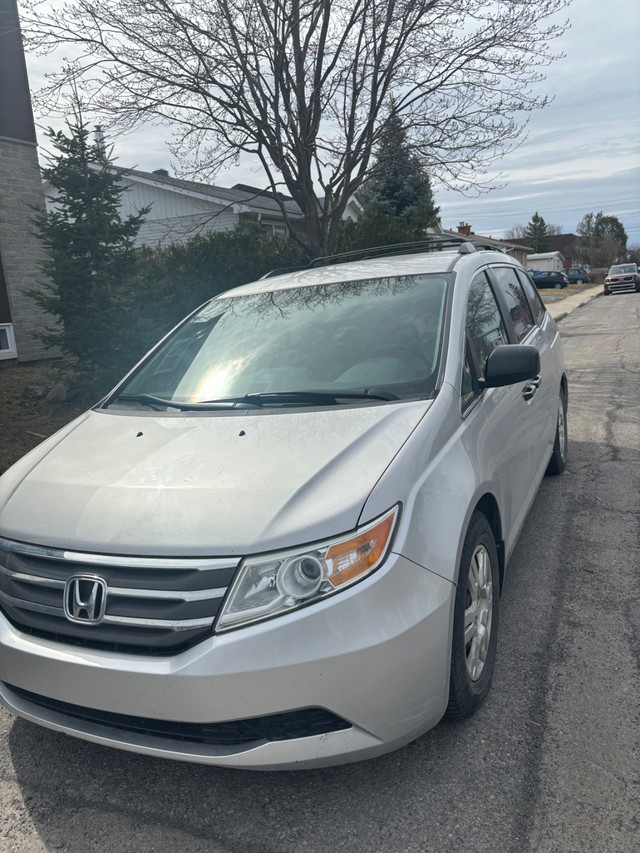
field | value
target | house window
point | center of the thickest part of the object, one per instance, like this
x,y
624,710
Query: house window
x,y
275,229
7,341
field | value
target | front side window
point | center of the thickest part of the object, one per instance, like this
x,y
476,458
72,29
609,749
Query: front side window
x,y
354,335
516,301
537,305
485,327
467,389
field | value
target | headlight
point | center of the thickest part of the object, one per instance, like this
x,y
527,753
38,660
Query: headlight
x,y
276,583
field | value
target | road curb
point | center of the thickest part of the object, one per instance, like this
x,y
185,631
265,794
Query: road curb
x,y
573,302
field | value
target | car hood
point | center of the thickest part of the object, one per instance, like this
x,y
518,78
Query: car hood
x,y
202,485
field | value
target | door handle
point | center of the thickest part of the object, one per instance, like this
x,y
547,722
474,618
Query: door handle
x,y
530,389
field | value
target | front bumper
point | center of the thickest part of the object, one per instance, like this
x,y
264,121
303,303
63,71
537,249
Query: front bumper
x,y
375,655
629,285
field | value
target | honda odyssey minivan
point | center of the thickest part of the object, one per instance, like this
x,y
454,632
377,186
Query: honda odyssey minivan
x,y
280,541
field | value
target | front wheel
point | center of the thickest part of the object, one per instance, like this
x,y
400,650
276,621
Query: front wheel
x,y
559,456
475,621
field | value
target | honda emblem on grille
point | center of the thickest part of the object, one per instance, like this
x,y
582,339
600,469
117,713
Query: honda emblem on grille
x,y
85,599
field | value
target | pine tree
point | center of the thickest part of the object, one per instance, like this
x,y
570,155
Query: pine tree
x,y
90,248
399,186
537,234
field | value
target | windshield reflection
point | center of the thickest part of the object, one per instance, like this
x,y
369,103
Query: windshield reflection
x,y
348,335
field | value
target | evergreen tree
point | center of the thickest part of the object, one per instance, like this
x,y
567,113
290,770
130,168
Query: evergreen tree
x,y
537,234
90,248
399,186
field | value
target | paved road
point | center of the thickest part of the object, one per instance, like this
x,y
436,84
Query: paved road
x,y
551,763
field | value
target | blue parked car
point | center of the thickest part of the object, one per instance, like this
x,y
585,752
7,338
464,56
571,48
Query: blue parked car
x,y
556,279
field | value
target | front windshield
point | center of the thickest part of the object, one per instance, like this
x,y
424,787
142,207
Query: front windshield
x,y
624,269
377,333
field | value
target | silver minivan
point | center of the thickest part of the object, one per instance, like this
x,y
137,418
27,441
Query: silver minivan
x,y
280,541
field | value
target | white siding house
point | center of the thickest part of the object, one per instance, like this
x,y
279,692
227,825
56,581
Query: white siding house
x,y
546,261
182,209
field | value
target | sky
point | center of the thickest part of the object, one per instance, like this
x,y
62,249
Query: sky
x,y
581,154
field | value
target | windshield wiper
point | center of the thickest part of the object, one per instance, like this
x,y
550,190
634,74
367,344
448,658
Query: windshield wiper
x,y
308,398
257,399
160,403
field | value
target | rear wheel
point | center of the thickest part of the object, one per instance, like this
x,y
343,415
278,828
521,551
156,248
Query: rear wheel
x,y
559,456
475,621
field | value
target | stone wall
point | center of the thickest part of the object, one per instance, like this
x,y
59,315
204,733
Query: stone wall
x,y
21,250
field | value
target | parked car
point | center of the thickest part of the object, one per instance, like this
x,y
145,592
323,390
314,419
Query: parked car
x,y
622,278
577,275
280,541
555,278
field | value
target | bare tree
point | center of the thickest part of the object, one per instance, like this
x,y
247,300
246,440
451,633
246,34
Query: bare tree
x,y
305,86
516,232
602,240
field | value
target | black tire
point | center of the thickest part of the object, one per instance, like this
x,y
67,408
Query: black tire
x,y
473,656
558,459
579,281
558,285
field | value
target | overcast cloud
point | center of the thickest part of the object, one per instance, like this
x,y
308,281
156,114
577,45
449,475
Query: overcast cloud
x,y
582,153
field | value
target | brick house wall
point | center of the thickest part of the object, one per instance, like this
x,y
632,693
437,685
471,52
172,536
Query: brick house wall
x,y
20,192
20,250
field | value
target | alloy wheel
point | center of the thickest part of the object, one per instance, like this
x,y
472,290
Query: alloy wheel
x,y
477,614
562,431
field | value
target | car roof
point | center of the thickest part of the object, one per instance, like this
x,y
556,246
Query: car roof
x,y
414,263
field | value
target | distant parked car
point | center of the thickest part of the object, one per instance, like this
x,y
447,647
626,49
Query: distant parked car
x,y
622,278
556,279
577,275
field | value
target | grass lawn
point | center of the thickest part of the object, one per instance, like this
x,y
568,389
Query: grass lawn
x,y
550,294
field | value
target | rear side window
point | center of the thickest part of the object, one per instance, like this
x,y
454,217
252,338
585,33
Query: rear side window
x,y
517,305
537,305
485,327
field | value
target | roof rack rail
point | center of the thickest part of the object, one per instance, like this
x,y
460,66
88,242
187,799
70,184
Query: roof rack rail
x,y
463,245
283,270
434,244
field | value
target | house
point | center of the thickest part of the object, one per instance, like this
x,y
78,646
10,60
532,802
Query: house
x,y
567,244
21,253
546,261
513,249
182,209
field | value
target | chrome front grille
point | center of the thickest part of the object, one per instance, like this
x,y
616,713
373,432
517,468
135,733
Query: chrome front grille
x,y
626,284
151,605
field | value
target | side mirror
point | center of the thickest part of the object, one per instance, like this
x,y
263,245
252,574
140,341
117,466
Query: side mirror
x,y
509,364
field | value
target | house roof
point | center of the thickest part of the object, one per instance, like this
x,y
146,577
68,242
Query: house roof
x,y
499,244
541,256
251,198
